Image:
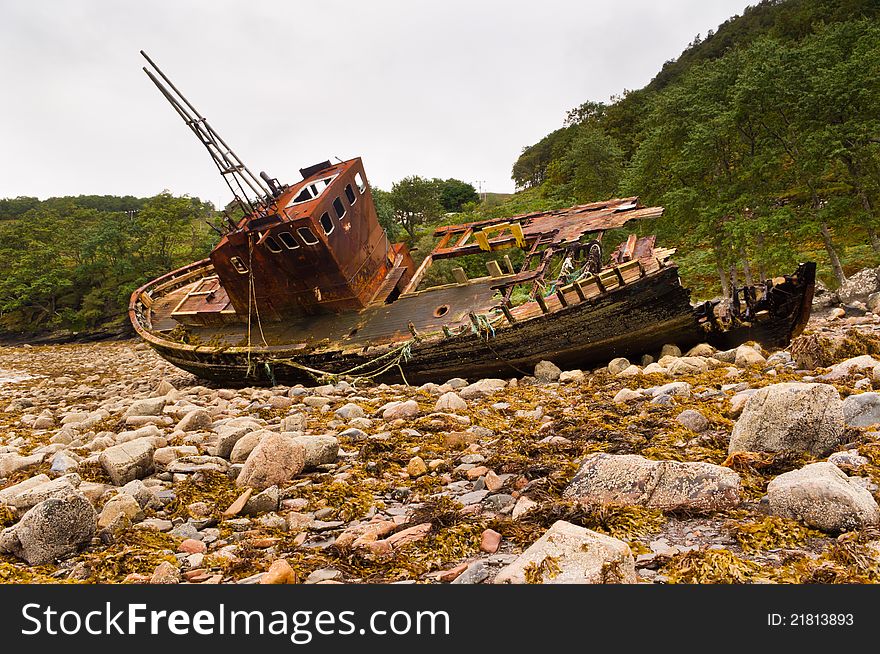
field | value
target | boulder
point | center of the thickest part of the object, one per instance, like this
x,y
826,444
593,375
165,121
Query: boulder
x,y
52,528
859,286
408,409
37,489
196,420
273,462
349,411
693,420
246,444
547,371
616,366
848,367
862,410
450,402
632,480
12,463
790,417
568,554
128,461
822,496
318,449
118,506
687,366
151,406
748,356
482,388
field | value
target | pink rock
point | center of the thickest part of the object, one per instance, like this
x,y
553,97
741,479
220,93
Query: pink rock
x,y
490,541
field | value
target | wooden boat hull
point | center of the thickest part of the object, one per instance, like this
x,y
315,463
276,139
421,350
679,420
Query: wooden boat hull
x,y
631,320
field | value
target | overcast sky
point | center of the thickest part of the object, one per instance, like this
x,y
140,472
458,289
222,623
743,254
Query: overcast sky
x,y
448,88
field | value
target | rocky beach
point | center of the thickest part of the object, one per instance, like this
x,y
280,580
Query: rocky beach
x,y
702,466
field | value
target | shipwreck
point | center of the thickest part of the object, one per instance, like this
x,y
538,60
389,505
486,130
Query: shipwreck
x,y
305,287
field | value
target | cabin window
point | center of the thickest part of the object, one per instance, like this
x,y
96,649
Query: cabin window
x,y
350,194
287,239
361,184
307,236
339,208
312,190
272,244
238,264
327,223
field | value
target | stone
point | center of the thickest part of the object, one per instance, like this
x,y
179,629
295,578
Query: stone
x,y
850,366
64,462
701,350
859,286
416,467
848,460
693,420
629,371
748,356
490,541
264,502
569,376
625,395
568,554
128,461
687,366
192,546
12,463
51,529
450,401
475,573
618,365
677,389
547,371
147,407
349,411
246,444
294,422
119,505
873,303
523,505
861,410
165,573
196,420
653,369
318,449
165,456
238,505
275,461
790,417
408,409
322,575
482,388
632,480
670,350
822,496
24,495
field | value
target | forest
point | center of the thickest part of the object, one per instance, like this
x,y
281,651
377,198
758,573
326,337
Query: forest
x,y
762,140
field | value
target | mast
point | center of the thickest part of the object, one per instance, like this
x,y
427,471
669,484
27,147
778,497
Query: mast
x,y
255,194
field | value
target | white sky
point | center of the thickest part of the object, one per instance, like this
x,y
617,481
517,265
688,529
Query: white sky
x,y
449,88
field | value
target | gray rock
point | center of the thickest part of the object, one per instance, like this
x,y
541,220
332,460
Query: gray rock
x,y
687,366
790,417
670,350
12,463
353,434
547,371
482,388
148,407
632,480
693,420
498,502
844,368
117,506
568,554
475,573
873,303
678,389
859,286
128,461
319,450
822,496
862,410
51,529
37,489
263,502
196,420
349,411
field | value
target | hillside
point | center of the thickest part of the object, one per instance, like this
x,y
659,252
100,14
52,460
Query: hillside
x,y
761,140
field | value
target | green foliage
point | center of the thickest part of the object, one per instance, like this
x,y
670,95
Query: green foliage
x,y
73,262
761,141
416,201
455,194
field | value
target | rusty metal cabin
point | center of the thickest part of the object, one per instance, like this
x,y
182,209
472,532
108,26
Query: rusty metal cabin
x,y
321,250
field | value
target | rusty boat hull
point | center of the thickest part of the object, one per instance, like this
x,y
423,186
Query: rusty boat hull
x,y
648,309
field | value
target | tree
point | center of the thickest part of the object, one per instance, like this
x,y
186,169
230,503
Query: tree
x,y
416,200
454,194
